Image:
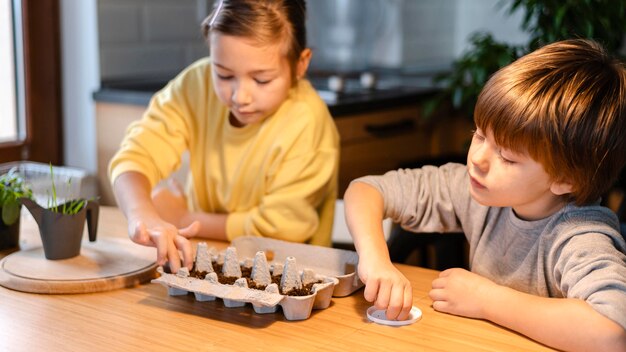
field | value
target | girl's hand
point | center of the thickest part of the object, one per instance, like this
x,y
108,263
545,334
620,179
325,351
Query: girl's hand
x,y
170,202
155,232
387,287
460,292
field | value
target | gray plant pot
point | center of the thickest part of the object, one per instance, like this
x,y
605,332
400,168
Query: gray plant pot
x,y
62,234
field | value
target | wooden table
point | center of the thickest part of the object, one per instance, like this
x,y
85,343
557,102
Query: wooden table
x,y
145,318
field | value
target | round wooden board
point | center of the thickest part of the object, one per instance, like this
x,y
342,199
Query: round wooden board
x,y
107,264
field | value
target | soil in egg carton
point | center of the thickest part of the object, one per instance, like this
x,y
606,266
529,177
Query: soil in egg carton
x,y
247,274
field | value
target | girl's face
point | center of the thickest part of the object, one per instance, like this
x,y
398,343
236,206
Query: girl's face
x,y
251,80
502,178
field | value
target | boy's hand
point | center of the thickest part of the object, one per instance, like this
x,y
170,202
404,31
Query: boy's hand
x,y
386,285
155,232
460,292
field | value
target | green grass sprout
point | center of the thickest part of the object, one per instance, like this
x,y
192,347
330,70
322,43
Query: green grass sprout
x,y
70,207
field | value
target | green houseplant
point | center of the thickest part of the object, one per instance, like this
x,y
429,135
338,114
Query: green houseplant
x,y
546,21
12,189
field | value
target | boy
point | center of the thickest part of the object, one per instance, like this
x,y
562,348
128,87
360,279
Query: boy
x,y
546,260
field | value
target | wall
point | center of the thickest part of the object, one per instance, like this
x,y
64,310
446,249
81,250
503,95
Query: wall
x,y
96,45
429,32
149,38
419,35
486,16
351,34
79,60
157,38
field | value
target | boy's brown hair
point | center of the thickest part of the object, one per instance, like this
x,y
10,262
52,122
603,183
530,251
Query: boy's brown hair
x,y
564,105
263,21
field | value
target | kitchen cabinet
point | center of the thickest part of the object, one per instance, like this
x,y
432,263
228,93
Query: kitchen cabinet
x,y
112,119
375,142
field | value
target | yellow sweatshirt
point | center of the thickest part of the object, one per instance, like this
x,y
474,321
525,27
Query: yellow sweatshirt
x,y
277,178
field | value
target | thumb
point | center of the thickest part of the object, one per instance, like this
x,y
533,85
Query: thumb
x,y
191,230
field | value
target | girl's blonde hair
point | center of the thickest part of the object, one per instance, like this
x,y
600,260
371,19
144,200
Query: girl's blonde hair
x,y
564,105
264,21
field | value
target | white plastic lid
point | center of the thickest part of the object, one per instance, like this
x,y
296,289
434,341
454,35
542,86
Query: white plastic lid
x,y
378,317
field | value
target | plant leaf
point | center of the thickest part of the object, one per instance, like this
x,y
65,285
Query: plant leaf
x,y
10,212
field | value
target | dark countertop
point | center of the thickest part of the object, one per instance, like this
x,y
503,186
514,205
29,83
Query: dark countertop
x,y
392,90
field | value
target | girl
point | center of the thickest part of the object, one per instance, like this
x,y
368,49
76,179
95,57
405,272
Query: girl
x,y
263,147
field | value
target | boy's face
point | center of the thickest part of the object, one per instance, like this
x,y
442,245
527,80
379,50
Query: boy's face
x,y
502,178
251,80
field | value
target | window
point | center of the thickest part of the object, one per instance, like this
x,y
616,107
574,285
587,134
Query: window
x,y
30,87
9,120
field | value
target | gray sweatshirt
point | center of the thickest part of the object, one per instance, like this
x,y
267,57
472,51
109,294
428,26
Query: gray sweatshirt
x,y
577,252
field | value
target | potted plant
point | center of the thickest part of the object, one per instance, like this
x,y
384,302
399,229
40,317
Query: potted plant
x,y
12,189
61,224
546,21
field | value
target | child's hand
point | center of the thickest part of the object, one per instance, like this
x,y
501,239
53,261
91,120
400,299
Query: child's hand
x,y
460,292
170,202
155,232
386,285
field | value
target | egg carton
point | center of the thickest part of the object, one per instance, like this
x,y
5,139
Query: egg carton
x,y
338,263
239,294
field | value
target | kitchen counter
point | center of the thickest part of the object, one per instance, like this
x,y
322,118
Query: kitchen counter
x,y
390,90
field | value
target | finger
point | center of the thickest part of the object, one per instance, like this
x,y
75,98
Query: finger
x,y
172,254
161,246
441,306
184,245
439,283
371,290
437,295
396,302
445,273
407,304
191,230
384,293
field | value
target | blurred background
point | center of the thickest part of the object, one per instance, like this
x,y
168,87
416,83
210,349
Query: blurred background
x,y
77,45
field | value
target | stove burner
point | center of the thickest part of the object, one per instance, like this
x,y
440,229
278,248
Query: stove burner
x,y
333,86
368,80
338,83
